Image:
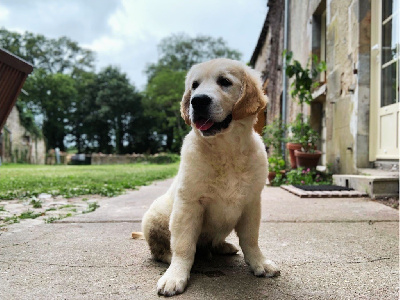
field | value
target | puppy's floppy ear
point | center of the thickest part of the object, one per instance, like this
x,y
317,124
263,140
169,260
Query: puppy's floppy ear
x,y
252,99
185,105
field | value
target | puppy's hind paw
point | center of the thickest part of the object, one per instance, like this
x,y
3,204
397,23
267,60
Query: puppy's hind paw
x,y
225,249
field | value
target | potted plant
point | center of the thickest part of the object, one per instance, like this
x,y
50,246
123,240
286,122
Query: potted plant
x,y
274,137
301,89
293,140
307,156
276,164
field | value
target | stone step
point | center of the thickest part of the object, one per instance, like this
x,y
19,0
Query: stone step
x,y
387,165
375,183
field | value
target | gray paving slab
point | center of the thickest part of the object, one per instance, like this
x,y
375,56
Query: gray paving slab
x,y
100,261
127,207
280,205
327,249
277,205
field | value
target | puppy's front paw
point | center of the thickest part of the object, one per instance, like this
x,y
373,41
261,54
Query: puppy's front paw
x,y
267,268
171,284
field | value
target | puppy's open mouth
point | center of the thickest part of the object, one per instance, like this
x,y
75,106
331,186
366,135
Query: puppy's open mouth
x,y
210,128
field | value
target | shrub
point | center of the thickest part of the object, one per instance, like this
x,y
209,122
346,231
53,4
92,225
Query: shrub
x,y
163,158
301,176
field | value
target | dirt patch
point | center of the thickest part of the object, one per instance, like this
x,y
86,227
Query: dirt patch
x,y
391,202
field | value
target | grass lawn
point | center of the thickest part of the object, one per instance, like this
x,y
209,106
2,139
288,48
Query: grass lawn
x,y
19,181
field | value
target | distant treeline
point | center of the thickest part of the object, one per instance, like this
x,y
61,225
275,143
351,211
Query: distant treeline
x,y
71,105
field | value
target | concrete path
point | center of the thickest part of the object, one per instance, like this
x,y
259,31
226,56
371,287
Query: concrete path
x,y
326,248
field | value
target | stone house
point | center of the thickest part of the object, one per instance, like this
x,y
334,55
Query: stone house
x,y
356,109
18,145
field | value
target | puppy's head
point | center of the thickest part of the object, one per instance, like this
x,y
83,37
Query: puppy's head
x,y
218,92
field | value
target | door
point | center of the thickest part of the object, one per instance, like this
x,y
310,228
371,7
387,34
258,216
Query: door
x,y
385,106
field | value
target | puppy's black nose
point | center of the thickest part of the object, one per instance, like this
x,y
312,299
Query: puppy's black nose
x,y
200,103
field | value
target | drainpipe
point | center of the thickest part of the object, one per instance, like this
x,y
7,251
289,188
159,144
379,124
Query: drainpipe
x,y
284,84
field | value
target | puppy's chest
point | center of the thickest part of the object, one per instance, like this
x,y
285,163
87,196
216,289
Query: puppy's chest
x,y
229,179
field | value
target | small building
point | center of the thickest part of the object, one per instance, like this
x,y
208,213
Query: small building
x,y
356,109
16,144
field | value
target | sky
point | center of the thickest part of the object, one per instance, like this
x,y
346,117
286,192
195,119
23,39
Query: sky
x,y
125,33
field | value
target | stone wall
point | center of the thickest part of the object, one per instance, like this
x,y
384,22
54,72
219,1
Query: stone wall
x,y
346,103
112,159
20,146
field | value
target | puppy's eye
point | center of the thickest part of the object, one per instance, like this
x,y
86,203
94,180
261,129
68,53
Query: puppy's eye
x,y
195,85
222,81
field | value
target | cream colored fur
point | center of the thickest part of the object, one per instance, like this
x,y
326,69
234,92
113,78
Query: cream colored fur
x,y
219,182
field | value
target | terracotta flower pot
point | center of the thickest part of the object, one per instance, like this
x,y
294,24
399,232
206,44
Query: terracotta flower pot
x,y
272,175
307,160
291,147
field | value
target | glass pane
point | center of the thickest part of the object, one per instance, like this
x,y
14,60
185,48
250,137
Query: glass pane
x,y
398,80
388,85
390,39
388,8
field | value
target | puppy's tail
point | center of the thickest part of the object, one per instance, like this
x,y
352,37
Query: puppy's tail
x,y
138,235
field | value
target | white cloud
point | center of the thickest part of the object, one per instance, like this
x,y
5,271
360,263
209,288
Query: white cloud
x,y
106,44
4,14
126,32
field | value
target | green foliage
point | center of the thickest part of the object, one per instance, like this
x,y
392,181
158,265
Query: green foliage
x,y
11,220
166,78
92,206
66,206
302,133
274,135
51,95
103,112
276,163
60,55
108,114
161,103
52,219
163,158
179,52
301,176
36,203
27,119
303,84
19,181
29,215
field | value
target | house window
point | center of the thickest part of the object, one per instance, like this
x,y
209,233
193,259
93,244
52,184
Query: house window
x,y
390,53
319,36
26,139
317,115
385,105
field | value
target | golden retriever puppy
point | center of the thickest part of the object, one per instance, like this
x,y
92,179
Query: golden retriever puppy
x,y
222,172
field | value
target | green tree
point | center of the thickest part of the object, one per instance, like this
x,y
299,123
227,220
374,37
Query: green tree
x,y
60,55
179,52
165,90
110,105
52,87
166,78
50,96
80,110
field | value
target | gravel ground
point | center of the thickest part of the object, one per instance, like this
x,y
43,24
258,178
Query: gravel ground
x,y
391,202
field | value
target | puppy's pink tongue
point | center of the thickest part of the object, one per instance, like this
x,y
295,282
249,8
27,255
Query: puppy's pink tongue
x,y
203,124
